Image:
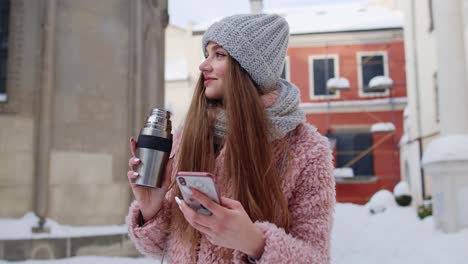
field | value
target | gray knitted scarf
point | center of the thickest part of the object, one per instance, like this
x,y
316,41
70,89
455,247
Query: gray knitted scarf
x,y
284,114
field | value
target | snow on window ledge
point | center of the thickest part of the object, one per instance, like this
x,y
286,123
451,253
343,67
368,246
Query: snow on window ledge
x,y
382,127
343,172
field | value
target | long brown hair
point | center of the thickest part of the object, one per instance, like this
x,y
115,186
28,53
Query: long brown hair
x,y
249,162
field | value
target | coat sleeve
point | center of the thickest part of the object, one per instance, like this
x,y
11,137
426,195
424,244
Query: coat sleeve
x,y
149,239
311,209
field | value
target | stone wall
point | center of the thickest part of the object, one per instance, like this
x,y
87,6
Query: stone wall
x,y
91,110
17,115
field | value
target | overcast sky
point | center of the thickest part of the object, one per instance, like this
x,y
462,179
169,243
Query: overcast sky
x,y
181,12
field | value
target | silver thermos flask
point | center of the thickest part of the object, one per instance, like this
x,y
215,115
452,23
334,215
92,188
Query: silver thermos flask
x,y
153,147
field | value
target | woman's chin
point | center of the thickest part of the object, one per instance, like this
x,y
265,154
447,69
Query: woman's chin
x,y
212,96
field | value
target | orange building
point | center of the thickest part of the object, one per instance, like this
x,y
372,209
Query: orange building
x,y
364,123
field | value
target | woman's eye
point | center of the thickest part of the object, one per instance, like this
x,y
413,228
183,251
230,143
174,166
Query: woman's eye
x,y
216,54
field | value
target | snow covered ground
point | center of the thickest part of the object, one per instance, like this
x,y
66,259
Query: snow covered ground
x,y
21,229
394,236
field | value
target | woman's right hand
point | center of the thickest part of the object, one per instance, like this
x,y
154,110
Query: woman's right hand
x,y
149,199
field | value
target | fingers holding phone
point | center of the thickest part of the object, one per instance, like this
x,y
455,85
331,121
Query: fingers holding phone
x,y
201,181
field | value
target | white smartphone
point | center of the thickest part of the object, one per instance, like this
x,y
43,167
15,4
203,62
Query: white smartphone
x,y
202,181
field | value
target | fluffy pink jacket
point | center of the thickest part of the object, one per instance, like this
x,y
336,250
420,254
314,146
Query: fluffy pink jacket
x,y
309,187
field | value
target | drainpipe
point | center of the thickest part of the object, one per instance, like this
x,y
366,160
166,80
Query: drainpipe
x,y
44,118
418,104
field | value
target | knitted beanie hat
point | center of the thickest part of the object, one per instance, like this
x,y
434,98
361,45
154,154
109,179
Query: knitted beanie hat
x,y
258,42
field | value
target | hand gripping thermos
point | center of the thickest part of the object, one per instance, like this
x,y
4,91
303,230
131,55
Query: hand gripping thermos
x,y
153,148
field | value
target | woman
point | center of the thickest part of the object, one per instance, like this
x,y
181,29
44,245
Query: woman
x,y
273,171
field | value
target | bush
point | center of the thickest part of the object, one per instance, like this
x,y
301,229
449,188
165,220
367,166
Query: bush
x,y
425,209
402,193
403,200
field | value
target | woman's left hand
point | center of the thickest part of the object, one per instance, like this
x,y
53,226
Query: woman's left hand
x,y
229,225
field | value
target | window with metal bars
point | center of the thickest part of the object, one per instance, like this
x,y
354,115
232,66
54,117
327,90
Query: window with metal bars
x,y
349,146
372,65
4,28
322,68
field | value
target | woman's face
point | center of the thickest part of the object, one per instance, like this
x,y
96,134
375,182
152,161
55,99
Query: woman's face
x,y
213,69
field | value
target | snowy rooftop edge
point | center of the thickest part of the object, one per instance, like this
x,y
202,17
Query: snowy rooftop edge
x,y
323,18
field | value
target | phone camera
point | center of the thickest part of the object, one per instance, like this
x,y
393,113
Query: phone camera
x,y
182,181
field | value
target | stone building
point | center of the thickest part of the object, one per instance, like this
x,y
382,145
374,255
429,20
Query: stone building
x,y
77,79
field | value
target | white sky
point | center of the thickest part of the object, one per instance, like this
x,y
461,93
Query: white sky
x,y
181,12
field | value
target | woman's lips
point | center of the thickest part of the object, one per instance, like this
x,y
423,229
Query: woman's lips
x,y
208,80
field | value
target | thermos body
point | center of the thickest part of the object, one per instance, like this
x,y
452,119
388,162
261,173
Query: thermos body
x,y
153,148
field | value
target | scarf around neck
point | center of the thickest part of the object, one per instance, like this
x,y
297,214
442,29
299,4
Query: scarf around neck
x,y
282,108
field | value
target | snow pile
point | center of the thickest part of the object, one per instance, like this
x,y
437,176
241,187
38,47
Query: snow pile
x,y
402,188
21,229
343,172
381,201
447,148
382,127
393,237
338,84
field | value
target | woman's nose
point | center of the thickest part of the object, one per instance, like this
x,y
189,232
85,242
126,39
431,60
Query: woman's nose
x,y
204,66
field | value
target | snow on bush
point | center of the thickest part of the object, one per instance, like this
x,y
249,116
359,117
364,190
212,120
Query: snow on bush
x,y
380,201
402,194
402,188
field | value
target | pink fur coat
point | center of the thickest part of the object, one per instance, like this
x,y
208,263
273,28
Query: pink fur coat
x,y
309,187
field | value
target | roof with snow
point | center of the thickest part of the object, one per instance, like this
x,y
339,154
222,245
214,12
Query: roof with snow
x,y
333,18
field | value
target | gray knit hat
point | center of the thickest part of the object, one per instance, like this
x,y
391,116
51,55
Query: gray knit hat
x,y
258,42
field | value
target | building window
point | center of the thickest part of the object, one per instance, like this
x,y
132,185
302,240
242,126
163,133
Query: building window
x,y
349,145
4,26
371,64
322,68
286,73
